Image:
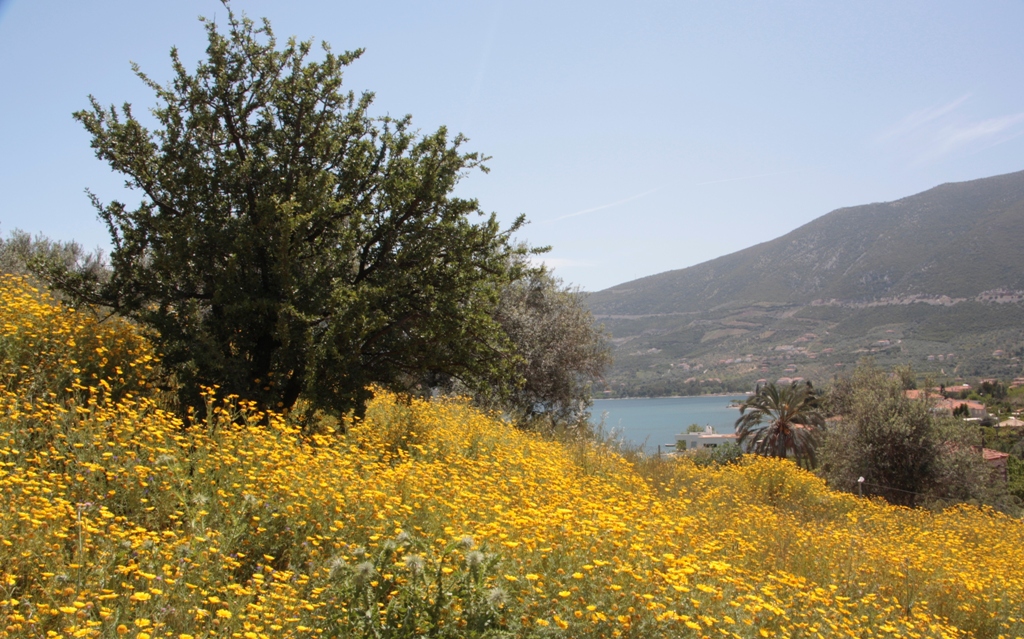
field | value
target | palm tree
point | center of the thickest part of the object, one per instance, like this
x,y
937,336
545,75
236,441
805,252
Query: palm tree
x,y
779,422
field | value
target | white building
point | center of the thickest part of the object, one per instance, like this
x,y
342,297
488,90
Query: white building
x,y
706,439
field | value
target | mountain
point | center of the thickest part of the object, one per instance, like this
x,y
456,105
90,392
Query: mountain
x,y
935,280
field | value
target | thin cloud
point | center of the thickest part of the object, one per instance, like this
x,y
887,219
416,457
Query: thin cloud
x,y
746,177
607,206
930,134
918,119
646,193
992,132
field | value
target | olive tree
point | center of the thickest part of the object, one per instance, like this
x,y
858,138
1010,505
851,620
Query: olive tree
x,y
881,435
21,251
902,449
560,351
286,244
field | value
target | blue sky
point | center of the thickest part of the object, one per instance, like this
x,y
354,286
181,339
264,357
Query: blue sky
x,y
636,137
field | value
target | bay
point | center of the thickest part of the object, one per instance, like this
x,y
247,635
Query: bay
x,y
650,422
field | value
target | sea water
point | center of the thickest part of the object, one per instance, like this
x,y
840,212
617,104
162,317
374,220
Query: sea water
x,y
650,422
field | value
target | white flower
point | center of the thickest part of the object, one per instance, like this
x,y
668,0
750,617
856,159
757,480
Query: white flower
x,y
496,597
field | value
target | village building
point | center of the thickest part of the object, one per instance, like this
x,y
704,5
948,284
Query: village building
x,y
940,404
998,462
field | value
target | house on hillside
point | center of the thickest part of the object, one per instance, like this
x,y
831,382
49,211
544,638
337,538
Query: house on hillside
x,y
997,461
955,389
940,404
976,409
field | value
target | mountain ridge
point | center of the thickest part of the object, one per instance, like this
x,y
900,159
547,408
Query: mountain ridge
x,y
954,246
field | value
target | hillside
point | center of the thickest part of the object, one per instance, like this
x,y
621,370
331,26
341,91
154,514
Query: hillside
x,y
935,279
431,519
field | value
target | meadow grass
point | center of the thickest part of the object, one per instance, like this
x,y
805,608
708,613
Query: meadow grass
x,y
431,518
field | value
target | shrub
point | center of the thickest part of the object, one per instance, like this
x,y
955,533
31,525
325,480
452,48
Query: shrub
x,y
728,453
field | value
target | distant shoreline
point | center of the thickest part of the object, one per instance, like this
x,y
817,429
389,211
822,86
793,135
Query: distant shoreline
x,y
612,399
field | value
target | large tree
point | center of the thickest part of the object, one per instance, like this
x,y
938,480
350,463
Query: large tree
x,y
287,243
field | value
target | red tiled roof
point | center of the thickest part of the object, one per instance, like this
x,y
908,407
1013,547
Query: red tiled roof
x,y
993,455
942,402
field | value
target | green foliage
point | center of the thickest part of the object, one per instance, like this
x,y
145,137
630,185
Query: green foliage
x,y
992,389
883,436
905,453
385,604
728,453
908,380
781,422
1005,440
20,251
560,352
694,428
1015,472
961,473
287,243
995,395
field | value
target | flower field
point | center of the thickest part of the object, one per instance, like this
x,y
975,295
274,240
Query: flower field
x,y
429,518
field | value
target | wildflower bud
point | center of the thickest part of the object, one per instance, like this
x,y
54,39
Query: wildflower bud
x,y
474,559
496,597
414,563
336,565
363,573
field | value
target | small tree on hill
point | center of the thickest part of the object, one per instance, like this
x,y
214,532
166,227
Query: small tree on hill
x,y
883,436
905,452
560,351
288,244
